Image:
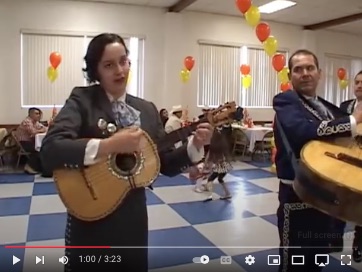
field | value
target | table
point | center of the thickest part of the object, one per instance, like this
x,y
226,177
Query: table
x,y
38,140
254,134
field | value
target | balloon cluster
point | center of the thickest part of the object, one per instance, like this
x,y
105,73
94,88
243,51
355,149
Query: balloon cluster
x,y
270,43
246,77
342,75
189,63
55,59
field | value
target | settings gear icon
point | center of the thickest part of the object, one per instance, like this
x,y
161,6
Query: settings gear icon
x,y
250,260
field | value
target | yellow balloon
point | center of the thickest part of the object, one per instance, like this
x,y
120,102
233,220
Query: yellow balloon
x,y
343,84
129,77
270,45
52,74
246,81
283,75
252,16
185,75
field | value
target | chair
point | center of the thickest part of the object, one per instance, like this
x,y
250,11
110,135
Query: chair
x,y
6,148
264,145
241,142
21,152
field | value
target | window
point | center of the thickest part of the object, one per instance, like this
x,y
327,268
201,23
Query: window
x,y
219,78
332,91
38,91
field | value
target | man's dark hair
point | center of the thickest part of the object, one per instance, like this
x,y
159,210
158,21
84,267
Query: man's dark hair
x,y
34,109
359,73
302,52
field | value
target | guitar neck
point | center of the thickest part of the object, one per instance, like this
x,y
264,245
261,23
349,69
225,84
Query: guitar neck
x,y
181,134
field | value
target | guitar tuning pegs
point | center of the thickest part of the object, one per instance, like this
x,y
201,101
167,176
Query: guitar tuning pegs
x,y
102,124
111,128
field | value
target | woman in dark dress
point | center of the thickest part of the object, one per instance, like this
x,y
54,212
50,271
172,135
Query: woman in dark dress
x,y
76,140
164,116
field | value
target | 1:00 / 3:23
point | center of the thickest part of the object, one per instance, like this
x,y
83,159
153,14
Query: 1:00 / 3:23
x,y
100,259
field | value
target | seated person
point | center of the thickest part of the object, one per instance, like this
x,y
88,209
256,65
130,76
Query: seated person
x,y
25,135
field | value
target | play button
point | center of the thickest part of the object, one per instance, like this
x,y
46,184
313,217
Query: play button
x,y
15,260
204,259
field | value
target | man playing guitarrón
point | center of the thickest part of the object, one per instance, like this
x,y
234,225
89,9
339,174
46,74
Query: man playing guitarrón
x,y
304,117
349,106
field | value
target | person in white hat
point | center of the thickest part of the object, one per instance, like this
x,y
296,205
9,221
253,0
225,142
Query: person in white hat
x,y
174,121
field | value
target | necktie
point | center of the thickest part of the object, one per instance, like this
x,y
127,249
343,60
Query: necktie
x,y
125,115
322,110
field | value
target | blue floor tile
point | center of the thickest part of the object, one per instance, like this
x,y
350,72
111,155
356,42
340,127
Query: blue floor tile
x,y
212,211
240,188
16,178
15,206
271,218
45,188
6,258
152,199
260,164
46,226
186,237
163,181
249,174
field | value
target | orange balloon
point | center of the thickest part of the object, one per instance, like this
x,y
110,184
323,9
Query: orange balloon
x,y
262,31
245,69
243,5
285,86
55,59
341,73
278,62
189,63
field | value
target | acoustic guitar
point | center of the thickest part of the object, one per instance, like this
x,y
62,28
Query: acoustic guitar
x,y
329,177
93,192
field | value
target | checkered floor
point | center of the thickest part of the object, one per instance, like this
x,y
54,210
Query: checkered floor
x,y
31,213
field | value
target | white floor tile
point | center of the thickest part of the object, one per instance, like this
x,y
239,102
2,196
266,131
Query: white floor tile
x,y
16,190
253,234
46,204
178,194
164,217
13,229
259,204
271,184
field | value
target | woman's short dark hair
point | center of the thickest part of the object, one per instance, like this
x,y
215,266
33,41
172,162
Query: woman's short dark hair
x,y
95,51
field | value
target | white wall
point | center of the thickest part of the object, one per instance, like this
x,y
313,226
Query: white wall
x,y
169,38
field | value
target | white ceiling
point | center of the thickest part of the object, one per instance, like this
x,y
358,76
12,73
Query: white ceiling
x,y
306,12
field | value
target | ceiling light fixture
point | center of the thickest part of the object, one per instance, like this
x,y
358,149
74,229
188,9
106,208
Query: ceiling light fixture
x,y
275,6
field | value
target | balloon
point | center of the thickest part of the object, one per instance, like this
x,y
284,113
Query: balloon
x,y
52,74
343,84
270,45
278,62
283,75
243,5
262,31
252,16
246,81
341,73
285,86
189,63
245,69
185,75
55,59
129,79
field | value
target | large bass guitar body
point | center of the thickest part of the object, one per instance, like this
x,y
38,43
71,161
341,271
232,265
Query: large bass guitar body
x,y
329,178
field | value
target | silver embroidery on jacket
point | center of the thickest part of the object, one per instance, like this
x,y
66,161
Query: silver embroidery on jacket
x,y
325,129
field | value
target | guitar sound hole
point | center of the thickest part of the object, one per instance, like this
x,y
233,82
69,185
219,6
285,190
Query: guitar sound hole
x,y
126,162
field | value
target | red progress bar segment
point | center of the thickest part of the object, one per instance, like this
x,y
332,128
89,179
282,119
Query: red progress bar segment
x,y
57,247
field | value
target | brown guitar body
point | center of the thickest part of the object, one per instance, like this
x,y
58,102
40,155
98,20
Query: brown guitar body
x,y
96,191
332,184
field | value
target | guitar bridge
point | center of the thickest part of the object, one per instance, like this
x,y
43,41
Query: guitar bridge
x,y
91,189
345,158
